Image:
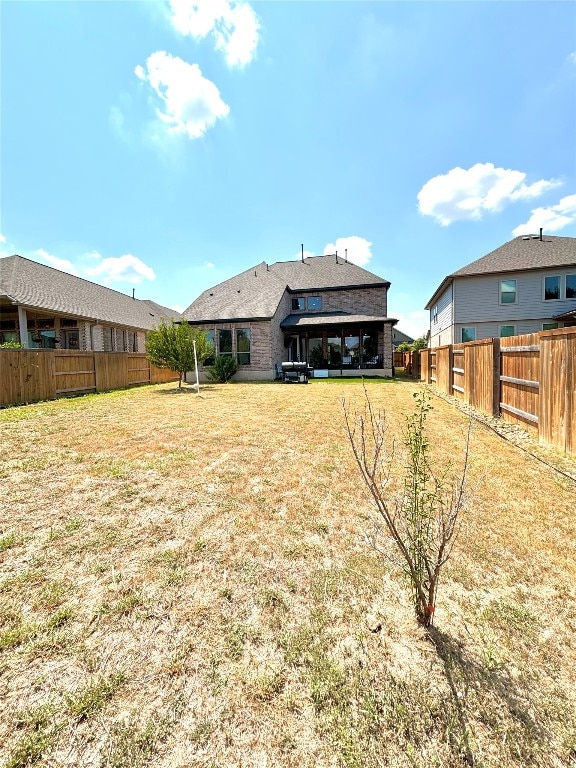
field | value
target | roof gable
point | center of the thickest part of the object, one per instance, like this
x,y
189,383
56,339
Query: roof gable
x,y
257,292
524,253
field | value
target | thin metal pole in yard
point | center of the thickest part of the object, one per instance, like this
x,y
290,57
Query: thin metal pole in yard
x,y
197,385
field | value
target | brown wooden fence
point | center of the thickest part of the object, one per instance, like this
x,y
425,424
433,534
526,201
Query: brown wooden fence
x,y
29,375
529,380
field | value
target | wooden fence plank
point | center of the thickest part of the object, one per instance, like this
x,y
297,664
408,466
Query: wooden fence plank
x,y
29,375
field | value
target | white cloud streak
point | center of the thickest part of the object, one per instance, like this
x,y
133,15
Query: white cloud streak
x,y
551,219
359,249
53,261
462,195
191,104
121,269
233,24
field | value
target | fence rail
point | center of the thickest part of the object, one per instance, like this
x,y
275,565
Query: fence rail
x,y
29,375
529,380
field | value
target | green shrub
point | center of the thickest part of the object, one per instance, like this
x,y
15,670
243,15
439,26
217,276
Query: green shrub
x,y
10,345
225,366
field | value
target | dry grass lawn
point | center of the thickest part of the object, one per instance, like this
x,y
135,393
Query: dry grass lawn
x,y
185,582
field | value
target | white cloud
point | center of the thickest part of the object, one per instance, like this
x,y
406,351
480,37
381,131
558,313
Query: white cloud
x,y
571,58
208,265
2,238
414,324
359,249
306,254
190,103
122,269
53,261
551,219
232,23
468,194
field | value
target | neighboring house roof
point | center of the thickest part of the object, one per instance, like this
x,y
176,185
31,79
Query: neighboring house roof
x,y
333,318
523,253
566,316
256,293
35,285
399,337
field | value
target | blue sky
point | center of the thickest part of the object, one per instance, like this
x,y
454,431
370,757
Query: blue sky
x,y
166,146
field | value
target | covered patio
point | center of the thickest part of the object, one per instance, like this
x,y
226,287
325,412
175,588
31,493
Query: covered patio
x,y
340,343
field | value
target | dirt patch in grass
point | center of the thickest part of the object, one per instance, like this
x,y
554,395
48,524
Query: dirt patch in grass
x,y
187,581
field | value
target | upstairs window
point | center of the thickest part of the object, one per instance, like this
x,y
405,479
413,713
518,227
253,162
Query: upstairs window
x,y
435,313
314,302
224,341
507,291
571,286
298,304
551,287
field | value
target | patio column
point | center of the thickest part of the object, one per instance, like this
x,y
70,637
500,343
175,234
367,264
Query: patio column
x,y
23,326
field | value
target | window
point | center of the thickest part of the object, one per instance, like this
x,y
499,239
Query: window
x,y
435,313
571,286
549,326
314,302
224,341
507,330
243,346
334,344
468,333
210,338
298,304
551,287
315,354
107,339
507,291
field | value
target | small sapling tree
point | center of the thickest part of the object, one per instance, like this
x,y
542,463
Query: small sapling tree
x,y
172,346
422,519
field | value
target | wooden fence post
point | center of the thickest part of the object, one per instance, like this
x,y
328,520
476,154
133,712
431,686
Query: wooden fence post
x,y
495,377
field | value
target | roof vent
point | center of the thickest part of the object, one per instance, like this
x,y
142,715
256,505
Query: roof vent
x,y
535,237
526,238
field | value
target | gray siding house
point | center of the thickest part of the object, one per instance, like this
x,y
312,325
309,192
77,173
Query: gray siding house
x,y
526,285
321,309
41,307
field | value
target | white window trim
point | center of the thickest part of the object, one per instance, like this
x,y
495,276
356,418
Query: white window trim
x,y
561,283
565,281
508,325
472,328
500,291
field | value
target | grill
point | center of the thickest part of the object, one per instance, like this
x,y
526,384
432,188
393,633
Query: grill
x,y
295,372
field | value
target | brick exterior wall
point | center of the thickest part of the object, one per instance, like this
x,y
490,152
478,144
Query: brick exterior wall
x,y
261,365
365,301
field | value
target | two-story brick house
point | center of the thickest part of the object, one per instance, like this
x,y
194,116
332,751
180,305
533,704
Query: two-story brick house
x,y
524,286
321,309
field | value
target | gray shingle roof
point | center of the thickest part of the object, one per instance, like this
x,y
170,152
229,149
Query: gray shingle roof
x,y
35,285
257,292
333,318
522,253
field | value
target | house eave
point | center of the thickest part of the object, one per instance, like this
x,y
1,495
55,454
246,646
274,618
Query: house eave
x,y
207,320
